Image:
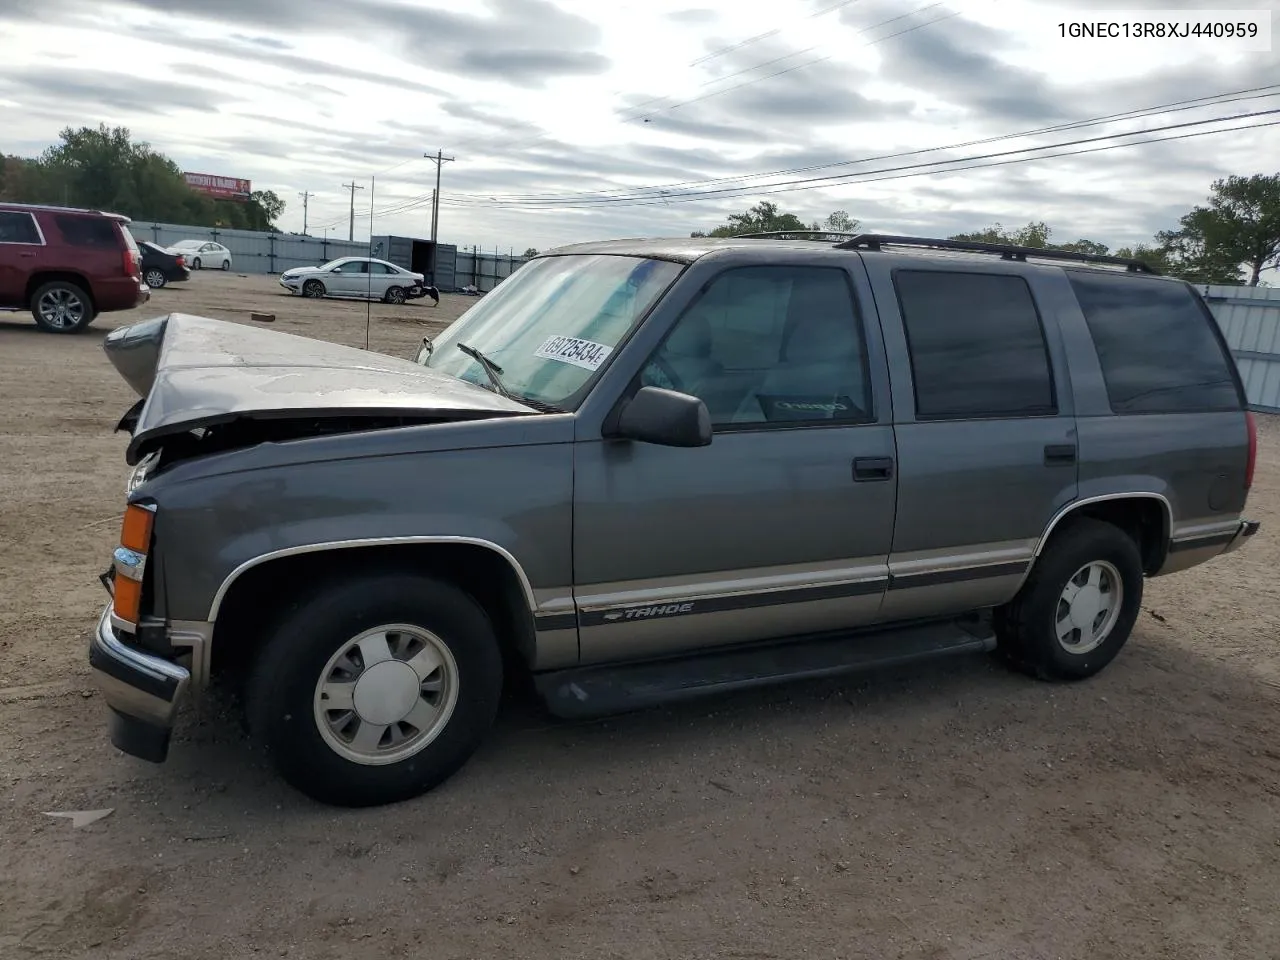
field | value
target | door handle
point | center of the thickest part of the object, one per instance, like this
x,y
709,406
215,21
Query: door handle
x,y
867,469
1059,453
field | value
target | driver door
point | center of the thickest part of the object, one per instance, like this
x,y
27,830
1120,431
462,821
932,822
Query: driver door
x,y
782,526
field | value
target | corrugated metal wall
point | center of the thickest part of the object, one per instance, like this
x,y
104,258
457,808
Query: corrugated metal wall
x,y
484,270
253,252
1250,320
273,253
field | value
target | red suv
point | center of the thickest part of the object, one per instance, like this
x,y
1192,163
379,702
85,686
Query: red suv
x,y
67,266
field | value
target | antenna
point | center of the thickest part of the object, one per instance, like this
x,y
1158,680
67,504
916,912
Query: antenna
x,y
368,277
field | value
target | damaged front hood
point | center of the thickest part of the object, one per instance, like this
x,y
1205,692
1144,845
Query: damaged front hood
x,y
198,372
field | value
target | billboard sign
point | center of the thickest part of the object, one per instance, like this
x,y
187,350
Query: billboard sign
x,y
220,188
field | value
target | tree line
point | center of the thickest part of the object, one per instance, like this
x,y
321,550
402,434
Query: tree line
x,y
1230,239
104,169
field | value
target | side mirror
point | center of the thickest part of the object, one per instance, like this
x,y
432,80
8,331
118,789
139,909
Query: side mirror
x,y
665,417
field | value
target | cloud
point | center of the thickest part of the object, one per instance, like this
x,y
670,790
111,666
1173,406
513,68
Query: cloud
x,y
693,16
119,91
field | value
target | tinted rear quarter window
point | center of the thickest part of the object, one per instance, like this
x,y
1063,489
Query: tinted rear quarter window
x,y
18,227
977,345
1157,345
88,231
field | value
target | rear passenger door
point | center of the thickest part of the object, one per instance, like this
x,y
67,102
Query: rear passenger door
x,y
782,525
20,246
985,428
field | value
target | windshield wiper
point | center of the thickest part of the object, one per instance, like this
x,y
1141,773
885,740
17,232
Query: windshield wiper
x,y
491,369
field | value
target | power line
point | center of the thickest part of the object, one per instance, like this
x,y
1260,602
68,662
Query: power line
x,y
894,173
570,199
816,182
1176,106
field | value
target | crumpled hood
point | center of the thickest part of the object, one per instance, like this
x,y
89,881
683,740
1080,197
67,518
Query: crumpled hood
x,y
196,372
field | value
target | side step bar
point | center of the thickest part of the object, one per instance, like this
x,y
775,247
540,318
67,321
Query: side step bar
x,y
617,688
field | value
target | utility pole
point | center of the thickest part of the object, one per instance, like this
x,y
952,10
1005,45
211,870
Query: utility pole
x,y
439,160
305,197
351,229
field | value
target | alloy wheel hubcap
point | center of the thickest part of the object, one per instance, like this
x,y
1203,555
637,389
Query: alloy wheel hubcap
x,y
1088,607
61,308
386,694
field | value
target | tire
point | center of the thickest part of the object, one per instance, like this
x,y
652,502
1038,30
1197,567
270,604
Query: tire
x,y
195,264
319,750
155,279
61,306
1029,627
313,289
226,264
394,295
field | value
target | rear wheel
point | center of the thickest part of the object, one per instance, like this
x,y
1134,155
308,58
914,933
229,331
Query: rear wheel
x,y
155,278
395,295
313,289
1079,603
377,689
62,307
195,264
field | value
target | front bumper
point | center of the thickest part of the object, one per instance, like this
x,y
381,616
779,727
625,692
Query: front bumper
x,y
143,692
293,286
1246,530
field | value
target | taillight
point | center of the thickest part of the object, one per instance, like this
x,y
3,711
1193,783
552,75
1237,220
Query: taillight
x,y
182,261
1253,449
131,264
130,562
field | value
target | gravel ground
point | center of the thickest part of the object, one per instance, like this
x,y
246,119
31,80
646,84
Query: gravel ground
x,y
951,812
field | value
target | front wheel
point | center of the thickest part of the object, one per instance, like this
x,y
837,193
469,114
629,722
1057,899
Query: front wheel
x,y
377,689
226,264
155,279
395,295
1078,606
313,289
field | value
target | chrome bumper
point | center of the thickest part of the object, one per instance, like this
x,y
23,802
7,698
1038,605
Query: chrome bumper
x,y
143,691
1246,530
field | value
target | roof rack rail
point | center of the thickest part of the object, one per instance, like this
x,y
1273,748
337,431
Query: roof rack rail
x,y
1007,251
794,235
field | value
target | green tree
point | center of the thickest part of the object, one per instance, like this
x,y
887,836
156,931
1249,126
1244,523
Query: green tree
x,y
765,217
272,206
1155,257
1241,225
531,252
1032,235
841,222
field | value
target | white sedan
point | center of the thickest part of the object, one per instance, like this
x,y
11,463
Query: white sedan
x,y
202,253
360,278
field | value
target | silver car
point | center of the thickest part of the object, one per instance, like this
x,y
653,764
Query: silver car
x,y
361,278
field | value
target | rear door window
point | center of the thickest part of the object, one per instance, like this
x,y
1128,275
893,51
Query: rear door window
x,y
977,345
1158,346
18,227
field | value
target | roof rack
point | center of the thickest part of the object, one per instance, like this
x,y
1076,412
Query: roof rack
x,y
795,235
1007,251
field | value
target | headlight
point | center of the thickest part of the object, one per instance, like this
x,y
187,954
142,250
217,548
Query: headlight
x,y
141,472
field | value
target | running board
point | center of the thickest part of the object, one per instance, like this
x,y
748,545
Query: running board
x,y
617,688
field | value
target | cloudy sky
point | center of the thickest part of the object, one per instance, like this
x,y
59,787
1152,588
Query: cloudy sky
x,y
582,119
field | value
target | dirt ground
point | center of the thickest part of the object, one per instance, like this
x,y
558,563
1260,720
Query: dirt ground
x,y
951,812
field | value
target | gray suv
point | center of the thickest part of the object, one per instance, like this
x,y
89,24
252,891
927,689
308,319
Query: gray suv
x,y
644,470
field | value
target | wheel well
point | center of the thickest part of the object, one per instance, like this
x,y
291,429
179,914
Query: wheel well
x,y
1144,519
263,594
38,280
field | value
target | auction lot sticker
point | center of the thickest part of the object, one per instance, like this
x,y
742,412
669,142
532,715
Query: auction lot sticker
x,y
580,353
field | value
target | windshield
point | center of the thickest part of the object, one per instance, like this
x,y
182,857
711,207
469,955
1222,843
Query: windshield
x,y
552,324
